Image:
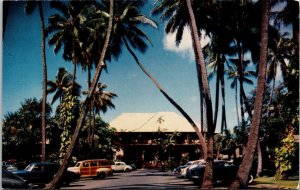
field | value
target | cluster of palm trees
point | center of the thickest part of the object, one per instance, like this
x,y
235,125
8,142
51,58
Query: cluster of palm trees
x,y
90,33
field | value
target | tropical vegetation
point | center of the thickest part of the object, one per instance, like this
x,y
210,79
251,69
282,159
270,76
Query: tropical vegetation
x,y
243,35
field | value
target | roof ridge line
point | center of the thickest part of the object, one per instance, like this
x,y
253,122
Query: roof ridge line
x,y
145,122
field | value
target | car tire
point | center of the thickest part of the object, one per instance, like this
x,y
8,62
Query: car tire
x,y
126,170
101,175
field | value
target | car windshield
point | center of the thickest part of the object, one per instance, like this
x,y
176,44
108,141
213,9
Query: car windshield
x,y
78,164
29,167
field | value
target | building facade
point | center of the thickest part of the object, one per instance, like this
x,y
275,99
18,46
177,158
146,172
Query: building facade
x,y
148,139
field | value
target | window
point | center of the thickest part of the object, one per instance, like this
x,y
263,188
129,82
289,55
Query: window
x,y
93,163
85,164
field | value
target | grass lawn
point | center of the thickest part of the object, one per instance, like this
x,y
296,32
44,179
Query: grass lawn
x,y
270,182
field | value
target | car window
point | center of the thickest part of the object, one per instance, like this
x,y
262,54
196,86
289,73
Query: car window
x,y
29,167
36,168
78,164
93,163
85,164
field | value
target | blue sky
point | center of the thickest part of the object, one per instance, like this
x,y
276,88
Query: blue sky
x,y
174,67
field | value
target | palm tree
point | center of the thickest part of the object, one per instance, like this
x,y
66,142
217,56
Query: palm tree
x,y
244,169
279,53
243,26
208,178
101,101
233,73
29,8
289,15
215,54
85,106
179,14
63,81
175,12
126,31
66,30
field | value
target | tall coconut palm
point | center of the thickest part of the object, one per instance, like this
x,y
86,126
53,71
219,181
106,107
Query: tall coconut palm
x,y
176,14
179,14
127,31
208,178
65,29
289,15
85,106
280,49
233,73
29,8
215,55
243,26
245,167
101,101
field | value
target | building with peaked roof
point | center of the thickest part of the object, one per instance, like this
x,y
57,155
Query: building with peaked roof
x,y
151,122
140,134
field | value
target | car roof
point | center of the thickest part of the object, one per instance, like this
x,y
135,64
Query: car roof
x,y
92,160
44,163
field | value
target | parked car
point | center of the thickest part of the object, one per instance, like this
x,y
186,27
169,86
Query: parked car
x,y
223,171
179,168
9,166
183,171
100,168
120,167
41,173
12,181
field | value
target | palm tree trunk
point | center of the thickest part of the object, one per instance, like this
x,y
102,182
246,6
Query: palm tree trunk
x,y
44,98
224,122
249,111
200,84
208,174
175,104
217,98
241,80
236,105
84,109
271,96
203,128
259,158
74,74
245,167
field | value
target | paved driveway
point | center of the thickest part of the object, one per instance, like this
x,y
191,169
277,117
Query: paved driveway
x,y
139,179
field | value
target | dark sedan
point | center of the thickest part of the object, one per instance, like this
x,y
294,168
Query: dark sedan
x,y
12,181
224,171
41,173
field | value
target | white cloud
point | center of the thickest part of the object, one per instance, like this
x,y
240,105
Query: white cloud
x,y
185,48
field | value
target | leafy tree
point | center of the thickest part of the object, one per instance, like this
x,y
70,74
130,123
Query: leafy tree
x,y
284,154
68,111
105,141
22,133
